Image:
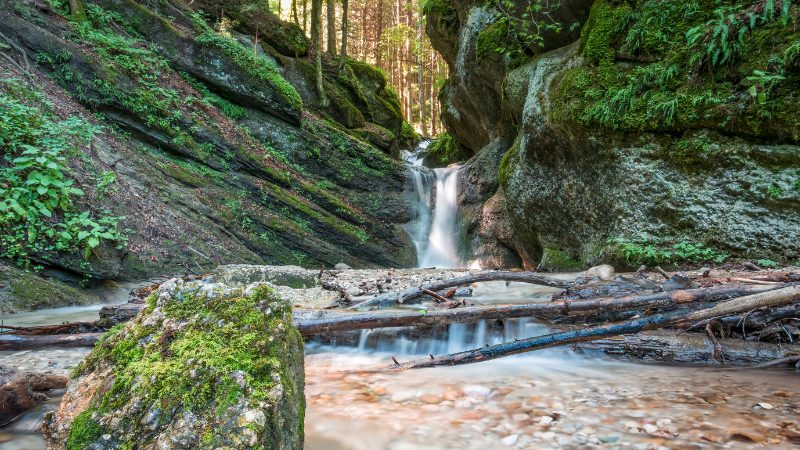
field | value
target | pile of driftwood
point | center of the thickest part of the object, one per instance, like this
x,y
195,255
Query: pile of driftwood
x,y
738,318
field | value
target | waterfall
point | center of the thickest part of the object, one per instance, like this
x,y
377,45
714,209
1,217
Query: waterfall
x,y
433,225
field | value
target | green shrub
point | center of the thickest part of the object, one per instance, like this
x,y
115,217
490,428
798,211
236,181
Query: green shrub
x,y
37,212
651,253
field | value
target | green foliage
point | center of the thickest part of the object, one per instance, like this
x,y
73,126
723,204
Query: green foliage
x,y
774,192
648,72
768,263
442,9
252,63
762,84
651,253
517,30
37,211
721,38
104,182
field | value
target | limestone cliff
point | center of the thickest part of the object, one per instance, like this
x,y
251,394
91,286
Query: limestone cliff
x,y
634,135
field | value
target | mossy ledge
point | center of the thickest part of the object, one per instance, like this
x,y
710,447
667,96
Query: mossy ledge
x,y
205,365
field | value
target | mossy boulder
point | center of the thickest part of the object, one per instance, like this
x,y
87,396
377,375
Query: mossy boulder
x,y
204,365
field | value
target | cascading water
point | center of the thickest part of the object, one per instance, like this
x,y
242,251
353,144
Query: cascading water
x,y
433,226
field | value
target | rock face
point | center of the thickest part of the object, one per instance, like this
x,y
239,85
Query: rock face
x,y
597,164
210,149
205,365
24,291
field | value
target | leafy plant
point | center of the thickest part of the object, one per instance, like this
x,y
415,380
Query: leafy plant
x,y
37,211
762,84
644,252
721,38
774,192
767,263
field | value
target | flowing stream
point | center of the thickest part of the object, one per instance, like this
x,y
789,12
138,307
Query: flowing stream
x,y
551,399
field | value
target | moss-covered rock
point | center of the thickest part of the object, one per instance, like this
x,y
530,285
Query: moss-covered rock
x,y
444,150
205,365
25,291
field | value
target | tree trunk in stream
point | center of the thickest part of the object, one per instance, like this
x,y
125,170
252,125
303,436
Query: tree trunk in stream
x,y
778,297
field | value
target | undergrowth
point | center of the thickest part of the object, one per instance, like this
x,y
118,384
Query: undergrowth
x,y
38,214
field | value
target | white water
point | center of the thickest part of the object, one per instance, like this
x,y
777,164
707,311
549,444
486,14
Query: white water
x,y
433,226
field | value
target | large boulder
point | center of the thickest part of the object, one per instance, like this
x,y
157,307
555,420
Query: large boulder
x,y
205,365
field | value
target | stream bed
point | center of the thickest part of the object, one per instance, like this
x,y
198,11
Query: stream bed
x,y
551,399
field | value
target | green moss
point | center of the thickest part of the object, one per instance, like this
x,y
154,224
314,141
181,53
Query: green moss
x,y
600,33
84,431
253,64
443,10
445,150
558,260
499,39
408,135
507,164
642,74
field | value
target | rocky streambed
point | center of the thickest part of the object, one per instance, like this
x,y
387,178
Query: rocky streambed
x,y
555,398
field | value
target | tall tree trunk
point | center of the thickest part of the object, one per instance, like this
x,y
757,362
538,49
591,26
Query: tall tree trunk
x,y
343,59
316,37
305,16
331,26
378,34
294,14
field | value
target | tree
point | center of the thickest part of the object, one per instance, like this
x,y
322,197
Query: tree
x,y
316,38
343,59
331,26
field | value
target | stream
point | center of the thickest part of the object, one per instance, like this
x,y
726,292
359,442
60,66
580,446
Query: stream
x,y
555,398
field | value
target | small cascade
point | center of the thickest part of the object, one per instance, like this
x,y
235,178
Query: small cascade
x,y
434,195
441,250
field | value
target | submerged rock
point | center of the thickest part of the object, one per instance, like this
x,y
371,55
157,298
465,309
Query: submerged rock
x,y
205,365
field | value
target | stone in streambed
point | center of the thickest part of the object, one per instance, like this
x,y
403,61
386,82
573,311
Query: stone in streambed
x,y
205,365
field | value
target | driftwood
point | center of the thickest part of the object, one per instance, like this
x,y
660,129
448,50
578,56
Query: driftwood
x,y
17,342
689,348
411,294
318,322
777,297
20,392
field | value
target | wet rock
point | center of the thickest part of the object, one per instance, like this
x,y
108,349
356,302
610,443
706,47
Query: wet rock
x,y
20,392
204,365
604,272
24,291
341,266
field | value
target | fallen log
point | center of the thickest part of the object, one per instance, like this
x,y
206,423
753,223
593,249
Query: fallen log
x,y
328,321
318,322
407,295
672,346
777,297
20,392
17,342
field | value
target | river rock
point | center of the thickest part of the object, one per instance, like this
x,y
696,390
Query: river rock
x,y
20,392
206,365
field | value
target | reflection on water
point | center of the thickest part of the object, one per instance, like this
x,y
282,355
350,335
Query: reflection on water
x,y
553,399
